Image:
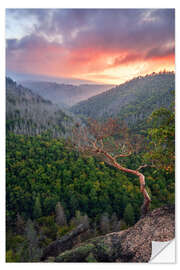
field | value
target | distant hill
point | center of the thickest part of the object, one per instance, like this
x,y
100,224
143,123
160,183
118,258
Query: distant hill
x,y
65,94
132,101
21,76
29,113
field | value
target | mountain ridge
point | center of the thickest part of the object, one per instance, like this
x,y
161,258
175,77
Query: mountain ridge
x,y
131,101
29,113
65,94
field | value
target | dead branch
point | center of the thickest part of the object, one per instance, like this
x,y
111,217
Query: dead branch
x,y
142,166
64,243
123,155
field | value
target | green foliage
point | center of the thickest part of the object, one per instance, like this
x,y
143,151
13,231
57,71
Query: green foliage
x,y
79,219
129,215
64,230
90,258
37,211
121,225
39,165
14,241
48,226
105,223
162,140
10,256
42,171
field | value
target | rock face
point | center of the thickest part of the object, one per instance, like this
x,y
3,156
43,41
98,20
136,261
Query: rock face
x,y
131,245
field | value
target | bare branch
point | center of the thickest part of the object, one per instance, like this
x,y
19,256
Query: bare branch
x,y
123,155
142,166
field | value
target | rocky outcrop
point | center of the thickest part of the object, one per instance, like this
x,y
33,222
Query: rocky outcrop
x,y
131,245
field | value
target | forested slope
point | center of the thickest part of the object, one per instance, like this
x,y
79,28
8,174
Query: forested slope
x,y
132,101
29,113
51,189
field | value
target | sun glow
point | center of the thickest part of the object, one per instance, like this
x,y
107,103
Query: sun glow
x,y
120,74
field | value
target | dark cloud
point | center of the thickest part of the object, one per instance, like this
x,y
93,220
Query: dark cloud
x,y
28,42
121,60
107,28
160,52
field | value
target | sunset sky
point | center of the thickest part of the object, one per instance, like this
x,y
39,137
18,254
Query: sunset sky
x,y
100,45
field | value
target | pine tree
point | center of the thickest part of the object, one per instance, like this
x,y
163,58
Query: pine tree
x,y
113,222
129,215
37,211
20,224
80,219
104,223
31,252
60,215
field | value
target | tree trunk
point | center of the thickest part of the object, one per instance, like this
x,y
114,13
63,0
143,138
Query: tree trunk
x,y
147,200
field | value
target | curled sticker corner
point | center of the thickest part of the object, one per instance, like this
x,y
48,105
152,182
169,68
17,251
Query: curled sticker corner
x,y
163,252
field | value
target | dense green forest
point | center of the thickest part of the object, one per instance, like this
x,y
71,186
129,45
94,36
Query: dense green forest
x,y
51,188
42,172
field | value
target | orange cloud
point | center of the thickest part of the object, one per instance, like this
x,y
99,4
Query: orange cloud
x,y
98,64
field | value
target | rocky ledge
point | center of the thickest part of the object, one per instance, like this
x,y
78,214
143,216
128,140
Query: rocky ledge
x,y
131,245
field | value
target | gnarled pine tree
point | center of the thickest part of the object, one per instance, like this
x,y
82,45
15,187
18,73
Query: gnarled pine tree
x,y
110,141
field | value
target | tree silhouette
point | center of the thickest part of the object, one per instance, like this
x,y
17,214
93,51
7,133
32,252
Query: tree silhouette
x,y
110,141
